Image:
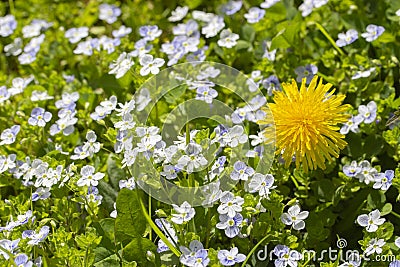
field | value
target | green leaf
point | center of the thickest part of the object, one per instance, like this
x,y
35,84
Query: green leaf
x,y
137,249
386,209
248,33
130,222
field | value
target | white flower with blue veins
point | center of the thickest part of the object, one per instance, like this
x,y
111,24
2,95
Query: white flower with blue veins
x,y
254,15
7,25
74,35
184,213
121,66
169,172
14,48
227,39
39,117
346,38
19,84
231,225
374,246
150,32
215,24
179,13
286,256
206,94
367,172
230,257
352,169
8,136
230,205
368,112
373,32
241,171
383,180
352,125
36,237
129,184
89,177
109,13
295,217
150,64
122,31
371,221
262,184
193,159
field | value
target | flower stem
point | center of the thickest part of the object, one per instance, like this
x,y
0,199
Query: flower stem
x,y
253,250
326,34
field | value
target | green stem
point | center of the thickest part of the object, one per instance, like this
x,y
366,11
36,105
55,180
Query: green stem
x,y
294,181
326,34
253,250
395,214
308,260
208,228
187,133
150,234
157,230
11,4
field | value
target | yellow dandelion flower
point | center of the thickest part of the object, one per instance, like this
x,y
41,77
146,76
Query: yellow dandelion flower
x,y
306,123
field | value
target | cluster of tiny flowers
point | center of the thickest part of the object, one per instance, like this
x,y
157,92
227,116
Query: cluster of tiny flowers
x,y
364,172
366,114
28,53
109,14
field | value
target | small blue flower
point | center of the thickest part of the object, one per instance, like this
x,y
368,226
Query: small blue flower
x,y
254,15
352,125
241,171
130,183
286,256
74,35
230,258
9,135
4,94
150,32
307,71
109,13
232,7
373,32
41,193
347,38
39,117
351,170
196,255
368,112
384,180
395,263
231,225
10,246
271,84
36,238
7,25
22,260
206,94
